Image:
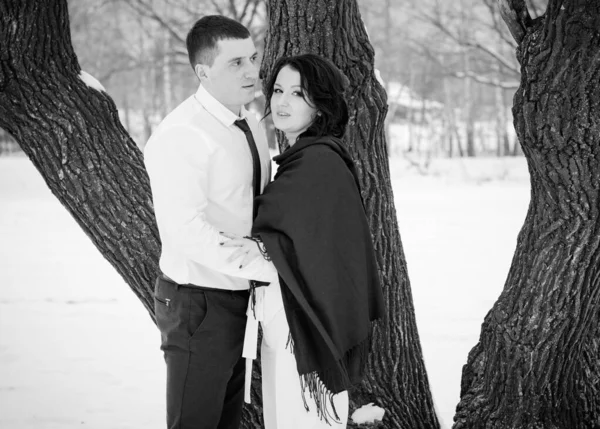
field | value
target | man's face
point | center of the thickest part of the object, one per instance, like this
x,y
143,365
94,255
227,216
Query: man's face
x,y
232,77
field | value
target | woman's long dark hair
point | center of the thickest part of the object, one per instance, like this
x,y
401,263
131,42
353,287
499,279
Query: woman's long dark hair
x,y
323,86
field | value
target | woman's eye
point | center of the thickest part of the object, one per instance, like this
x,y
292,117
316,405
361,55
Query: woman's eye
x,y
298,94
277,91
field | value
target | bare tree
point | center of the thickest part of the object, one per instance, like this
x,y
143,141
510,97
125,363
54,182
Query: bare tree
x,y
475,46
470,25
177,16
536,363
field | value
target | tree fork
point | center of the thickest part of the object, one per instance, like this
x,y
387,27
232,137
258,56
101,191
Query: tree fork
x,y
536,364
516,16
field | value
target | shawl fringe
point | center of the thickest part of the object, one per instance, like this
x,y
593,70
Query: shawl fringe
x,y
316,382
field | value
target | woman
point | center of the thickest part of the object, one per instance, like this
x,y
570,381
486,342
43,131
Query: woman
x,y
312,224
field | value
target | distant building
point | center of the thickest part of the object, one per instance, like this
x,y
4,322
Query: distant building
x,y
406,105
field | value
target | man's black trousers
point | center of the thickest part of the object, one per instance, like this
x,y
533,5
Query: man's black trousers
x,y
202,334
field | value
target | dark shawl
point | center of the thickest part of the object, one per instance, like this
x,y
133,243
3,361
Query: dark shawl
x,y
312,222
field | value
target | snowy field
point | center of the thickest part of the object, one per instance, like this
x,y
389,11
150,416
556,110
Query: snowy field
x,y
77,349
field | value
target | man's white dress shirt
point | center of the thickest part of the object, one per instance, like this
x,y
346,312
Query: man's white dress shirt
x,y
200,169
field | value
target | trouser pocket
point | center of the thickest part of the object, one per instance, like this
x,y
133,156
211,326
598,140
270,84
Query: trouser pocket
x,y
165,310
181,312
198,312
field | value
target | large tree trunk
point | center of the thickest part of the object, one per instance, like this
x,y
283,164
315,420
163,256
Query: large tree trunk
x,y
536,364
72,134
397,380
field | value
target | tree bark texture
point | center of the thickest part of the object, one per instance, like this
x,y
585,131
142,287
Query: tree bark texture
x,y
73,135
396,380
536,364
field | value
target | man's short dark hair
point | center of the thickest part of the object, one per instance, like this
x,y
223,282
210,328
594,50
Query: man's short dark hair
x,y
202,39
323,86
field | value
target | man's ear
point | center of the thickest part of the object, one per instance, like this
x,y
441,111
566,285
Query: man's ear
x,y
201,71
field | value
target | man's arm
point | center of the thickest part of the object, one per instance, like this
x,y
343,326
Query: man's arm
x,y
178,162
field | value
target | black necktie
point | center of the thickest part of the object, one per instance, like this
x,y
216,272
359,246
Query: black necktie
x,y
243,125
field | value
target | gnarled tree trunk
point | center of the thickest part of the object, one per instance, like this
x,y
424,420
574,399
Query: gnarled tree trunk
x,y
536,364
69,128
72,133
397,380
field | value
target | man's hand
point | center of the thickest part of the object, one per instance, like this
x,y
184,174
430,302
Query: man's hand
x,y
246,248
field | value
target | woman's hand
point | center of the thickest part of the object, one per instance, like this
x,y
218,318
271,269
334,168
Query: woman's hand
x,y
246,248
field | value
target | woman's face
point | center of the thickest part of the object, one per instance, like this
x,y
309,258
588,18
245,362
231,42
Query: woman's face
x,y
291,111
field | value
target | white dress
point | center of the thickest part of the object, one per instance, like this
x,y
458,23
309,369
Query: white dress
x,y
283,406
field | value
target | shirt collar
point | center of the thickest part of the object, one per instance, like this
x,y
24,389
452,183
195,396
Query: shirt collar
x,y
217,109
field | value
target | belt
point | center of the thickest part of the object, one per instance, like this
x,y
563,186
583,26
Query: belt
x,y
167,279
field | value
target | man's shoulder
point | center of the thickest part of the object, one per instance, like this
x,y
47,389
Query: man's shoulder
x,y
187,118
181,130
184,114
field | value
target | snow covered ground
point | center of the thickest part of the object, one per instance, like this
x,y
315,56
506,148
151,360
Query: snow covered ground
x,y
77,349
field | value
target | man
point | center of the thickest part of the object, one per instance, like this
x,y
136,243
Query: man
x,y
205,167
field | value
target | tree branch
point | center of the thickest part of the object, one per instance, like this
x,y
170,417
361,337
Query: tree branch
x,y
516,16
486,80
143,8
233,10
131,65
254,10
244,10
437,22
218,8
498,24
499,58
468,74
